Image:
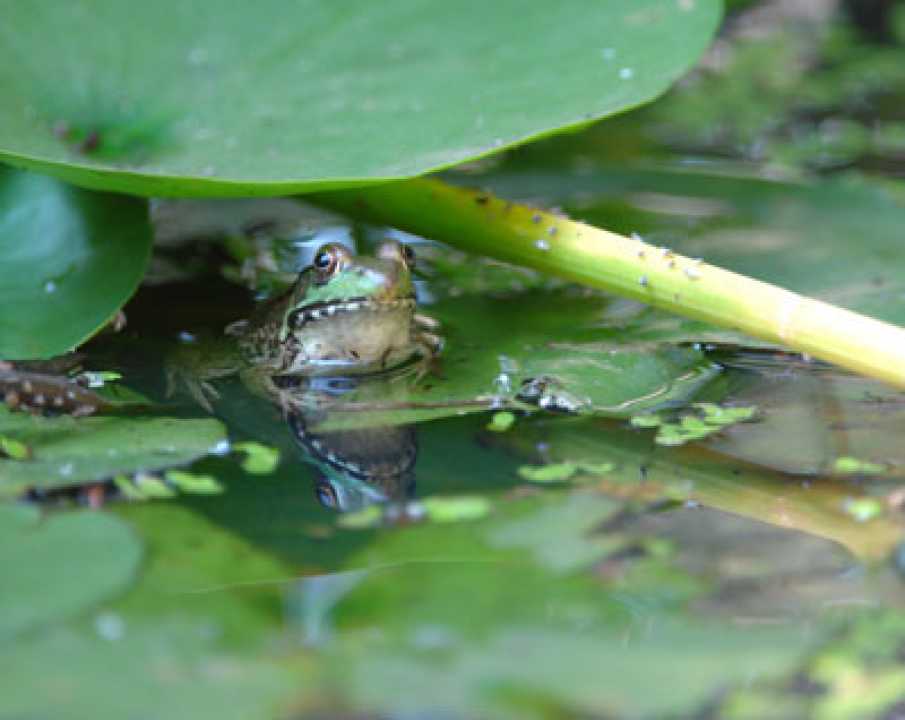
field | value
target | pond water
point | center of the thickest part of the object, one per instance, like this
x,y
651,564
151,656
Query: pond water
x,y
595,509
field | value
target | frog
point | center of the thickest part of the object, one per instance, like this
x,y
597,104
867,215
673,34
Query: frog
x,y
345,314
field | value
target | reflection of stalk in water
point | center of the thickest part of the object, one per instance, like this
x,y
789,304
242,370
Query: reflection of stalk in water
x,y
644,471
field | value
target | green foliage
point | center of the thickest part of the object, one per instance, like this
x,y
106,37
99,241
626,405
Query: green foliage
x,y
69,451
559,351
259,459
858,674
68,260
275,99
56,567
703,420
536,629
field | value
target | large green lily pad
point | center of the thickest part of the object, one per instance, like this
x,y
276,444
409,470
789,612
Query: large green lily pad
x,y
58,566
70,451
534,632
559,351
70,259
187,98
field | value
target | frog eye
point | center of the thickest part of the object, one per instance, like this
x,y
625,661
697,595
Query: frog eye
x,y
397,252
323,260
326,495
328,260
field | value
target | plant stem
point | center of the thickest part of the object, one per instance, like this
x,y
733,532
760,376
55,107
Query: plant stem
x,y
479,222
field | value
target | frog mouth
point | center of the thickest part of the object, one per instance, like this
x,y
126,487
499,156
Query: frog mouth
x,y
325,310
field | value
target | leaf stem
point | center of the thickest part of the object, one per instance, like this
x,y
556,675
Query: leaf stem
x,y
479,222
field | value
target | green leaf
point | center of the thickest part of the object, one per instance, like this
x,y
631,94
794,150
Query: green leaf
x,y
501,421
13,449
259,458
518,350
191,638
194,483
70,451
534,633
847,465
455,509
172,667
68,260
557,473
56,567
169,98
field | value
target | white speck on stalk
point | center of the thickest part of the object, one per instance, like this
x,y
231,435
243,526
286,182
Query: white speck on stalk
x,y
626,73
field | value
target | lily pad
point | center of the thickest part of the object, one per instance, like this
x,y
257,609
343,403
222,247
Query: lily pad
x,y
557,351
68,451
169,98
70,259
172,667
56,567
537,628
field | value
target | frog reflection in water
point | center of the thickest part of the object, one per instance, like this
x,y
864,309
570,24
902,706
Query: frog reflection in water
x,y
345,321
357,467
345,315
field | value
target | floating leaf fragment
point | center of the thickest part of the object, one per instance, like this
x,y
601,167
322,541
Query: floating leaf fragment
x,y
501,421
455,509
151,486
14,449
434,509
646,420
714,414
847,465
194,483
364,519
863,509
555,473
600,468
259,459
702,420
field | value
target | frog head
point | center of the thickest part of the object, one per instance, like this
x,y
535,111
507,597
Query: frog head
x,y
350,314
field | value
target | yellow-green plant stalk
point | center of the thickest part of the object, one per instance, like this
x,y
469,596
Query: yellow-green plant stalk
x,y
479,222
